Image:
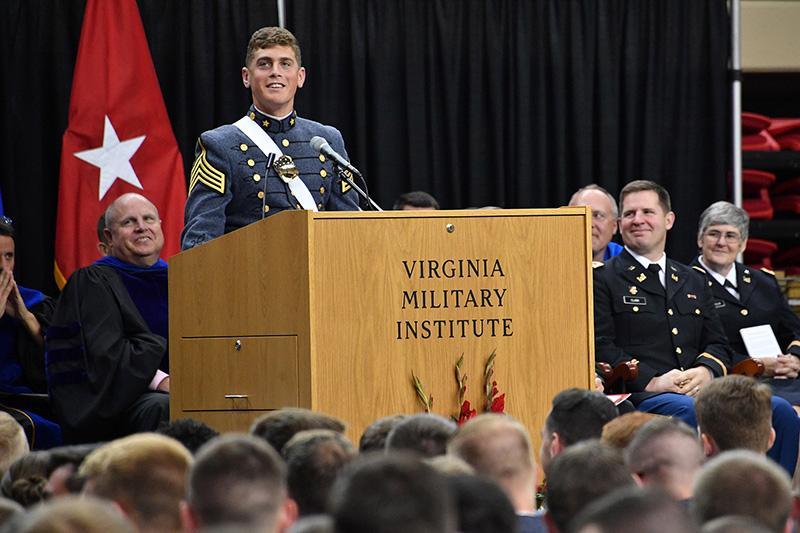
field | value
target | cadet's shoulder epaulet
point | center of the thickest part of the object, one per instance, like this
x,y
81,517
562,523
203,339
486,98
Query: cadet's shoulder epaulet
x,y
699,269
597,264
768,271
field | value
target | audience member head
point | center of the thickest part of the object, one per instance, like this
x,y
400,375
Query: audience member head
x,y
133,229
632,510
646,216
723,214
576,415
62,468
314,459
374,437
7,244
481,505
238,480
499,448
144,474
13,442
395,493
277,427
189,432
25,481
604,216
666,453
722,235
74,514
424,434
735,412
745,483
620,431
415,201
579,475
103,243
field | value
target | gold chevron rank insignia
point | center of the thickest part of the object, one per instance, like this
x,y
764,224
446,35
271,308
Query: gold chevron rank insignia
x,y
204,172
346,186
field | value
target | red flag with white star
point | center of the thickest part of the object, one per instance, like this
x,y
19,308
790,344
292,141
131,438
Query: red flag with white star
x,y
119,138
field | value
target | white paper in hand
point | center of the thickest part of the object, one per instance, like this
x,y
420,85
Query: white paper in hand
x,y
760,341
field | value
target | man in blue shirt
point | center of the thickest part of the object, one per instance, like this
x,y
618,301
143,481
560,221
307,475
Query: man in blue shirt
x,y
604,220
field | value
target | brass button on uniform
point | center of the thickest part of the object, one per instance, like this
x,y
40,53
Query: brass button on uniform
x,y
635,308
285,142
669,312
697,311
320,207
266,208
674,331
323,172
678,350
297,206
243,147
256,177
744,312
251,163
260,195
322,190
322,158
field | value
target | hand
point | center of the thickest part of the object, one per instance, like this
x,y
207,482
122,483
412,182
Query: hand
x,y
694,379
598,384
6,286
668,382
164,385
15,305
787,367
770,365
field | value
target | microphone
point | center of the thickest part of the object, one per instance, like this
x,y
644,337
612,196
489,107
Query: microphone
x,y
321,146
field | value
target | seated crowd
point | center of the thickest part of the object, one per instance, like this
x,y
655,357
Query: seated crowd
x,y
697,448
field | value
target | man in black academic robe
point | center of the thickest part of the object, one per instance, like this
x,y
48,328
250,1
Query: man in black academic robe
x,y
107,356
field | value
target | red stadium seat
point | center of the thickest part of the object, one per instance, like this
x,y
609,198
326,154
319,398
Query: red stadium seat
x,y
759,208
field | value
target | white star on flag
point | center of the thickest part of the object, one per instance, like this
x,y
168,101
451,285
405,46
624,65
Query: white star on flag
x,y
113,159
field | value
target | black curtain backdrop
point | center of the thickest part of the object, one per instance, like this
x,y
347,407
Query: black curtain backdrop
x,y
514,103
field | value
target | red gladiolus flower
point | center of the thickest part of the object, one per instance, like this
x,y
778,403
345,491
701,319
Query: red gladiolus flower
x,y
466,413
498,404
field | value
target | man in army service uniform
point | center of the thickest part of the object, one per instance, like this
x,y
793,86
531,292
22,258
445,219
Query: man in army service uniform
x,y
655,310
233,182
660,312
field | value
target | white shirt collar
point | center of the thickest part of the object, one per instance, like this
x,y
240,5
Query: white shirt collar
x,y
717,276
645,262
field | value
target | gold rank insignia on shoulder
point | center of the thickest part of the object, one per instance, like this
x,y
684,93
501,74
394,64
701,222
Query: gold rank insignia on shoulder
x,y
698,269
204,172
346,186
641,277
597,264
633,290
768,271
691,296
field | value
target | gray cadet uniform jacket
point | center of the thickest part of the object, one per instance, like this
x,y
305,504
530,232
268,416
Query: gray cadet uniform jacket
x,y
230,182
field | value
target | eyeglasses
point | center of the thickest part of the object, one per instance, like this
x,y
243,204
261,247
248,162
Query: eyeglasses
x,y
599,216
729,236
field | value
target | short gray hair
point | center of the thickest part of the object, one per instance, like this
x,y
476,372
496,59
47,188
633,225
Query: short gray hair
x,y
595,187
726,213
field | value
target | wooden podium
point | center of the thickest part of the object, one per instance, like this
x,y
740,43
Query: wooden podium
x,y
334,311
